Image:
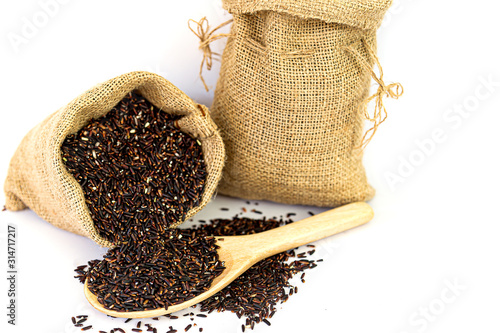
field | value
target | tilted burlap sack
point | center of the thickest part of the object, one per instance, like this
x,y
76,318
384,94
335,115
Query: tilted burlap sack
x,y
292,96
38,179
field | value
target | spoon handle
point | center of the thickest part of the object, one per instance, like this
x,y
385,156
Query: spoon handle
x,y
311,229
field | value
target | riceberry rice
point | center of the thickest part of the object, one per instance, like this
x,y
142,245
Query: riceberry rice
x,y
268,281
155,274
138,171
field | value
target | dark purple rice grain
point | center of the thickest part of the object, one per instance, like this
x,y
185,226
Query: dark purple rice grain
x,y
87,328
136,330
188,327
266,322
178,266
138,171
267,281
73,320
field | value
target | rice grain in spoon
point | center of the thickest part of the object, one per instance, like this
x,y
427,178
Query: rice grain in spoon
x,y
240,252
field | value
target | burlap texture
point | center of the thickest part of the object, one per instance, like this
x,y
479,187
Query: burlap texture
x,y
38,179
289,99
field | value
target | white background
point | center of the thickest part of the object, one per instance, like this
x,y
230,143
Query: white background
x,y
436,226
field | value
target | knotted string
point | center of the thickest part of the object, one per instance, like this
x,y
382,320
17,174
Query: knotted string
x,y
206,37
393,90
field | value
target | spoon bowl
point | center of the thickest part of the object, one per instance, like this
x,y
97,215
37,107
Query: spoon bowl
x,y
239,253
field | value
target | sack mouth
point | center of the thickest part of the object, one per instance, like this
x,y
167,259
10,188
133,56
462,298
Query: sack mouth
x,y
194,120
363,14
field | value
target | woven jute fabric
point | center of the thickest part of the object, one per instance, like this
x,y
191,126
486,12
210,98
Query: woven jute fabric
x,y
38,179
289,99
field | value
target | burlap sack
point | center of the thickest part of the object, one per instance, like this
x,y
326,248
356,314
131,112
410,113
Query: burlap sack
x,y
291,99
38,179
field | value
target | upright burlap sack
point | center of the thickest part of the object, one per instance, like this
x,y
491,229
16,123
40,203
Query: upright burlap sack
x,y
292,96
38,179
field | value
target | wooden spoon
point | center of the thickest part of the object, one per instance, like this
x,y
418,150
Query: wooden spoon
x,y
240,252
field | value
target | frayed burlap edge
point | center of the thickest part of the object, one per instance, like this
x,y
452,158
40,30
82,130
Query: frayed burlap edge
x,y
364,14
